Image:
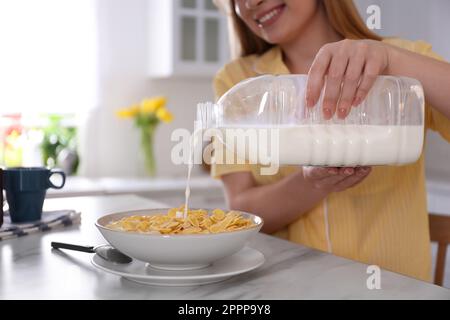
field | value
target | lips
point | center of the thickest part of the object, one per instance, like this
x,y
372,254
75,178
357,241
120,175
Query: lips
x,y
270,16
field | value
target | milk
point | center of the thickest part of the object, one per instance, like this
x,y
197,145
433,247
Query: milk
x,y
187,192
193,141
332,145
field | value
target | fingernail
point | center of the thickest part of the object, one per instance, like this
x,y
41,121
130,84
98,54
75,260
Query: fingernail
x,y
348,171
342,112
362,171
327,113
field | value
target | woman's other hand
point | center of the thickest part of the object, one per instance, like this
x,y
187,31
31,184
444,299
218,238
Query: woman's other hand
x,y
347,69
331,179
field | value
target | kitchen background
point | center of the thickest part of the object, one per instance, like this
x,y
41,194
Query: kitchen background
x,y
82,60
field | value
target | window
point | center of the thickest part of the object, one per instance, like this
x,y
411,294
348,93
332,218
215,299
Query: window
x,y
48,56
48,63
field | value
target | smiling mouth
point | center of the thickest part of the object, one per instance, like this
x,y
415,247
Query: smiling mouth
x,y
270,17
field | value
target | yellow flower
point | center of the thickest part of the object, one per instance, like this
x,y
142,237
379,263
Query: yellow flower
x,y
164,115
126,113
153,104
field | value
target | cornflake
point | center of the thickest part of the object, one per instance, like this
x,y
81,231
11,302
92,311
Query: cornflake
x,y
198,221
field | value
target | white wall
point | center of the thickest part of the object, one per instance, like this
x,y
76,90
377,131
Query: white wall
x,y
111,146
420,20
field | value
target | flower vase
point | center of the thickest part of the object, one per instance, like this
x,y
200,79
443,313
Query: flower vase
x,y
147,137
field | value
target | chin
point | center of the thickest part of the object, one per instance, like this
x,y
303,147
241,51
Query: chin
x,y
275,37
280,33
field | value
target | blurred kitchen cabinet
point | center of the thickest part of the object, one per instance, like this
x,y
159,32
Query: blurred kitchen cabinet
x,y
186,38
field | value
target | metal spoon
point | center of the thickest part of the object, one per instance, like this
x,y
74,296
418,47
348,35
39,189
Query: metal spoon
x,y
105,251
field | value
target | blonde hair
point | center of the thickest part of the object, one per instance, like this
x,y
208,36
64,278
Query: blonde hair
x,y
342,15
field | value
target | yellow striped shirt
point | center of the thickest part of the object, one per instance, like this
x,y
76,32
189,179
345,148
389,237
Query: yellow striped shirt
x,y
381,221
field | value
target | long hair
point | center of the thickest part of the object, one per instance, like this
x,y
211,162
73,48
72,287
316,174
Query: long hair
x,y
342,15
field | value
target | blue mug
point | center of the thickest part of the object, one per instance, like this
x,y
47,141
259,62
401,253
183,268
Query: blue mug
x,y
26,189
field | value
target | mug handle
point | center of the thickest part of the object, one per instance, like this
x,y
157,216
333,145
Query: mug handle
x,y
56,171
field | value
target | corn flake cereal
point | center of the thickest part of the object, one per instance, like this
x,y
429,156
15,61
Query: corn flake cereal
x,y
198,221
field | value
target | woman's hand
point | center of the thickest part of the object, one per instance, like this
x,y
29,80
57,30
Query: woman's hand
x,y
348,69
331,179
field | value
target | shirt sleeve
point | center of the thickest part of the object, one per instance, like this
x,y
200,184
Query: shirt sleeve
x,y
434,119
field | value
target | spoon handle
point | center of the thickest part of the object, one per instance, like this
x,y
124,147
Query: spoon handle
x,y
60,245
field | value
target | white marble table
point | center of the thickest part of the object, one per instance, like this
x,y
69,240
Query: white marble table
x,y
209,190
81,186
30,269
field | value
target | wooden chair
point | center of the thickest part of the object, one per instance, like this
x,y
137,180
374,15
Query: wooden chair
x,y
440,233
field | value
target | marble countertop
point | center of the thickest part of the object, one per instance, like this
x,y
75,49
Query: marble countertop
x,y
30,269
437,189
82,186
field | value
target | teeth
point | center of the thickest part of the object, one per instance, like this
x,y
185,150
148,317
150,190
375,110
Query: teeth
x,y
269,15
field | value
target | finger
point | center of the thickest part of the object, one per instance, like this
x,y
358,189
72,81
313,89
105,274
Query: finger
x,y
317,173
346,171
351,80
347,183
334,176
361,176
333,85
352,180
329,182
363,171
316,76
371,72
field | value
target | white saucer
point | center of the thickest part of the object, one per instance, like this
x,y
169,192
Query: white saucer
x,y
243,261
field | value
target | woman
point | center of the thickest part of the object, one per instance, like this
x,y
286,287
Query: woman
x,y
373,215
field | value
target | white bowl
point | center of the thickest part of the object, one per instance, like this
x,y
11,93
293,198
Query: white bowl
x,y
178,251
